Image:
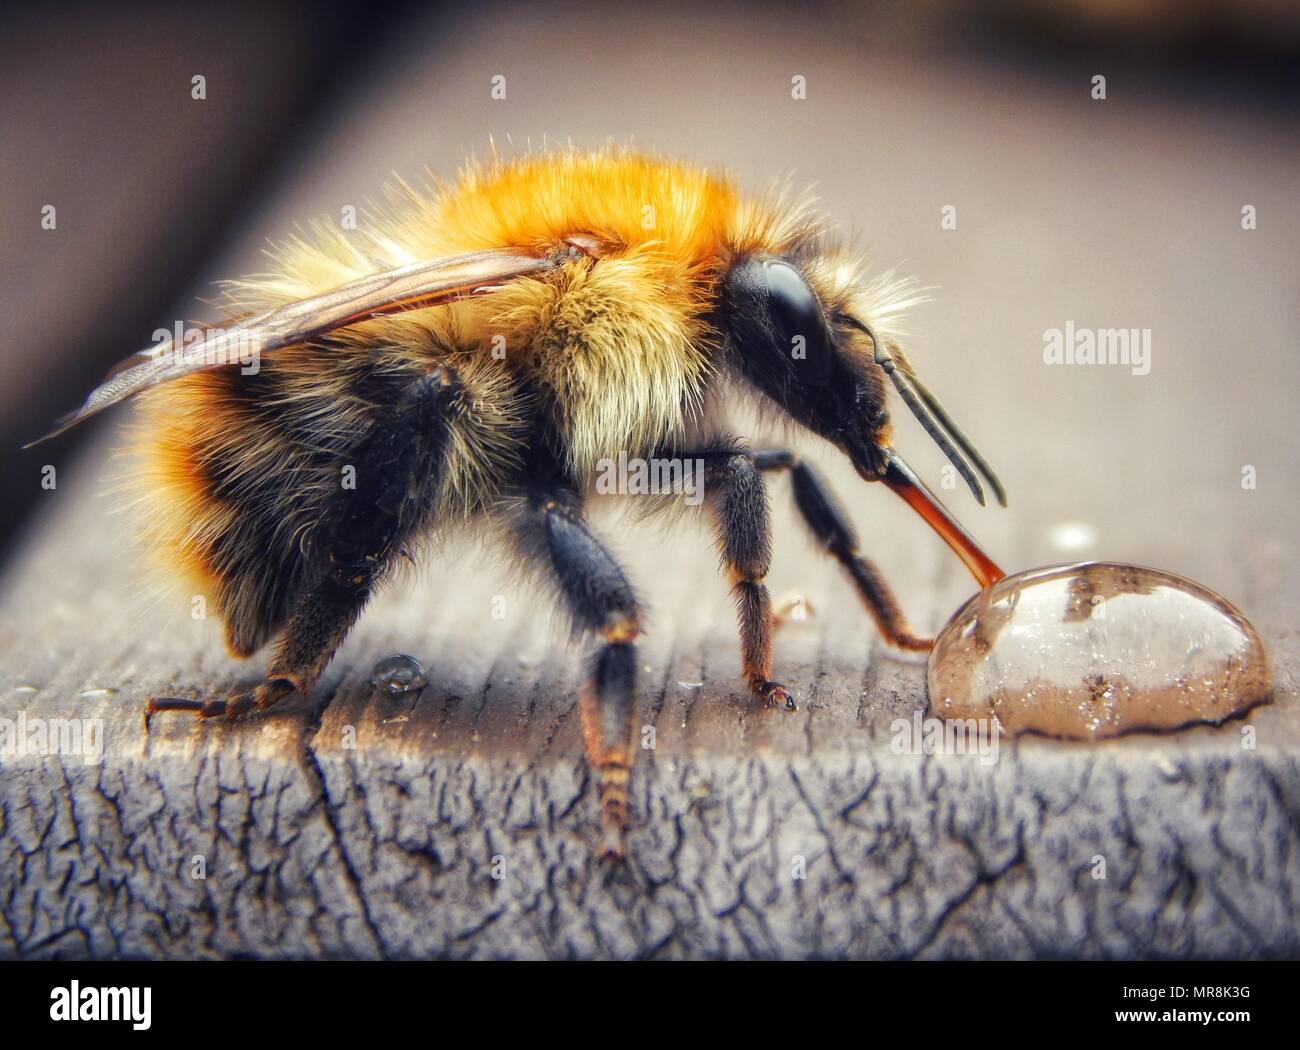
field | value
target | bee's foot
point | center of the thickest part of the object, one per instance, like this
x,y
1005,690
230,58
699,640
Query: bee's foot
x,y
232,709
613,848
774,694
197,708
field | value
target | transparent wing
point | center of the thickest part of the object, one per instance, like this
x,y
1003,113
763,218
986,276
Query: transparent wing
x,y
412,287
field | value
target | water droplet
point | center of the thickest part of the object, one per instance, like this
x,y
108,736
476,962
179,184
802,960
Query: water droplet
x,y
691,685
793,608
397,675
99,693
1096,649
1072,537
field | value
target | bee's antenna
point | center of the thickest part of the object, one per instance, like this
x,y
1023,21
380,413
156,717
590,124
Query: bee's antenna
x,y
963,442
932,421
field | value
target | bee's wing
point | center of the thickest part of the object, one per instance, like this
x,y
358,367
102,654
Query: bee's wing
x,y
410,287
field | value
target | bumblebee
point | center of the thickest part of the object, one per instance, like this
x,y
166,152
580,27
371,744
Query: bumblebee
x,y
471,354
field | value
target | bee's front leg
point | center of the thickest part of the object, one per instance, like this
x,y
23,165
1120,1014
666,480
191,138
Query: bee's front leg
x,y
832,531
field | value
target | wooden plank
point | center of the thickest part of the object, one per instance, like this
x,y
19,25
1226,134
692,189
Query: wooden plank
x,y
312,847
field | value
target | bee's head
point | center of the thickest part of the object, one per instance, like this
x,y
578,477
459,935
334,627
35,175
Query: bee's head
x,y
826,369
810,364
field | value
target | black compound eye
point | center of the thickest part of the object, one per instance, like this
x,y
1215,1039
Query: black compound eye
x,y
798,324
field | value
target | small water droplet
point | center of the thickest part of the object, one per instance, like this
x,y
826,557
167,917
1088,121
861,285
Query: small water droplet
x,y
398,675
1096,649
691,685
793,608
99,693
1072,537
26,689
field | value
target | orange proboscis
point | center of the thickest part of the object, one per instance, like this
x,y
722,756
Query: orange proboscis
x,y
900,478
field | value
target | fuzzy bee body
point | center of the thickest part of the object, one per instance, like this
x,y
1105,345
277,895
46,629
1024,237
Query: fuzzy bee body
x,y
648,290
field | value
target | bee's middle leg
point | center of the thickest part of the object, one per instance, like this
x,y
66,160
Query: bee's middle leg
x,y
600,601
398,463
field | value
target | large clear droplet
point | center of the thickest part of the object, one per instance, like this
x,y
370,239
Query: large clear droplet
x,y
1096,649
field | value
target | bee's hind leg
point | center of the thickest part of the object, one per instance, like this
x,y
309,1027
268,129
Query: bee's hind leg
x,y
268,694
398,466
832,531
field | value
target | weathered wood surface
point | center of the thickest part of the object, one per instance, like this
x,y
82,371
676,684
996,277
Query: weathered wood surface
x,y
314,848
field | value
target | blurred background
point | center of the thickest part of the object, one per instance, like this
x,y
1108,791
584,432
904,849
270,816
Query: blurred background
x,y
1119,212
